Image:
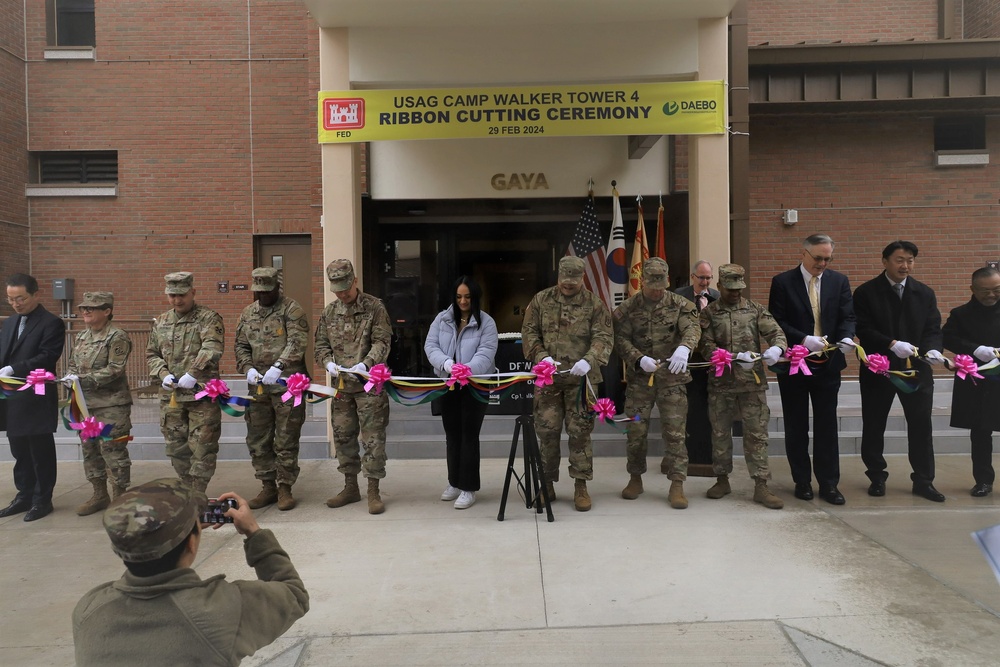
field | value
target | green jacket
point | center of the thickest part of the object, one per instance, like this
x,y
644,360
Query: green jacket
x,y
350,334
99,358
655,329
266,335
189,343
568,329
738,329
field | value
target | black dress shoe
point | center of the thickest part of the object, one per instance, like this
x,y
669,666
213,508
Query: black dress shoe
x,y
832,496
980,490
16,507
38,511
929,492
804,491
877,488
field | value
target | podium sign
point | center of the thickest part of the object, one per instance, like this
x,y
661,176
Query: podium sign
x,y
510,359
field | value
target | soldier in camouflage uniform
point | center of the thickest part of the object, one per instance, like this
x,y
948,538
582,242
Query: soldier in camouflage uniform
x,y
655,331
100,353
353,335
737,325
184,350
271,340
569,325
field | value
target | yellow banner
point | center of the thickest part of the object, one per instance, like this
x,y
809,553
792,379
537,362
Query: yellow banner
x,y
695,107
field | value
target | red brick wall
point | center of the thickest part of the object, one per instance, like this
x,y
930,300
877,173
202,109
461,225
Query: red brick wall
x,y
13,141
794,21
981,18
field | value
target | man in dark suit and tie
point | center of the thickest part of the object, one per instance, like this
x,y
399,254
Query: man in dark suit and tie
x,y
813,305
898,317
33,338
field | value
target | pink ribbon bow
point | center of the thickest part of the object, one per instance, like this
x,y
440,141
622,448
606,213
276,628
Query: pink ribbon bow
x,y
796,356
36,379
878,363
89,428
296,383
605,409
460,373
378,376
966,367
543,370
721,360
213,389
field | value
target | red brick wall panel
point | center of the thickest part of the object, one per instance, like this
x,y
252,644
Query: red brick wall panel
x,y
981,18
794,21
14,246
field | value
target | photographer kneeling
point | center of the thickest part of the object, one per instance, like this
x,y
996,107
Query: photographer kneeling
x,y
161,612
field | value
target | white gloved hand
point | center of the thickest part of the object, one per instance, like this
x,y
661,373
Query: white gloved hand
x,y
332,368
187,381
447,365
580,368
359,368
902,349
253,376
984,353
648,364
6,372
679,359
272,375
846,345
169,381
551,361
771,355
744,358
814,343
934,357
70,379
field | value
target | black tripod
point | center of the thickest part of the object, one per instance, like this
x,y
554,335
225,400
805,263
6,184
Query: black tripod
x,y
531,482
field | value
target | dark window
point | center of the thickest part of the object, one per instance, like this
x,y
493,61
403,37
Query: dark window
x,y
71,22
960,133
77,167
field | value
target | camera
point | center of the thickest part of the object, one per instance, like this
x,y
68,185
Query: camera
x,y
216,510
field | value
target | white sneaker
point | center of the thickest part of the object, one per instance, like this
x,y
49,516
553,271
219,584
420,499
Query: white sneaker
x,y
450,493
466,499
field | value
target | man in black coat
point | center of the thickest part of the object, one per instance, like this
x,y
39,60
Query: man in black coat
x,y
974,329
33,338
813,305
898,317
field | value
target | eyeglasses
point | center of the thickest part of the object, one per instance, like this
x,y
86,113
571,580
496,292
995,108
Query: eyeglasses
x,y
17,300
696,277
818,258
987,290
90,309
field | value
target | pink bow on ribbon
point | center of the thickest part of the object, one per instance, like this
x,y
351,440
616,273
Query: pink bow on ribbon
x,y
378,376
796,356
296,383
966,367
721,360
605,409
89,428
878,363
36,379
543,370
460,373
213,389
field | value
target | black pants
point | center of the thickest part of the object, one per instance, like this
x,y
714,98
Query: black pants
x,y
699,427
797,391
877,394
34,466
462,416
982,456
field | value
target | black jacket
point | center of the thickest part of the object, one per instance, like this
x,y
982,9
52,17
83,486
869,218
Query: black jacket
x,y
974,404
40,346
883,318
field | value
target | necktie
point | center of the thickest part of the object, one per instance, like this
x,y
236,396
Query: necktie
x,y
20,326
899,290
701,300
814,302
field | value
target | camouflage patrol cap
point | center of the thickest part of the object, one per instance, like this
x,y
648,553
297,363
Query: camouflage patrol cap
x,y
732,276
149,520
97,300
340,273
265,279
179,283
654,273
571,270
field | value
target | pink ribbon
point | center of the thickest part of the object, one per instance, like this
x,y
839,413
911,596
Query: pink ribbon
x,y
878,363
36,379
605,409
296,383
213,389
89,428
796,356
460,373
378,376
543,370
721,360
966,366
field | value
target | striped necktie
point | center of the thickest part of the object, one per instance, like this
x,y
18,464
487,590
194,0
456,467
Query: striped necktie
x,y
814,302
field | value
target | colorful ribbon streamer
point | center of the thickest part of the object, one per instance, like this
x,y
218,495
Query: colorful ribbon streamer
x,y
543,370
377,377
796,356
36,380
966,367
296,385
460,373
721,360
605,409
90,428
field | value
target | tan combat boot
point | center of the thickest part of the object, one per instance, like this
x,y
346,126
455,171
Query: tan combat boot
x,y
581,499
117,490
268,495
375,504
633,489
350,494
676,495
285,499
550,491
720,488
99,501
763,495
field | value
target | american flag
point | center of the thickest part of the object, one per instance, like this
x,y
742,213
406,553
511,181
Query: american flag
x,y
587,245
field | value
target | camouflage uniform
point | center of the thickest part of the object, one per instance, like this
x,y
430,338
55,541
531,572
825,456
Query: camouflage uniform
x,y
567,329
189,343
278,333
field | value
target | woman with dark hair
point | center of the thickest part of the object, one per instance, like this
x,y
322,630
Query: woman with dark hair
x,y
462,334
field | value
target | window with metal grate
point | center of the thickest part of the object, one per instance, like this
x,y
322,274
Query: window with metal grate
x,y
78,167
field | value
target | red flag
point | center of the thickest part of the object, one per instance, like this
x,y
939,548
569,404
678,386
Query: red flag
x,y
587,245
640,253
661,249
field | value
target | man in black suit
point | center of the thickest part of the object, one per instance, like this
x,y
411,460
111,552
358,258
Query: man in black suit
x,y
898,317
813,305
33,338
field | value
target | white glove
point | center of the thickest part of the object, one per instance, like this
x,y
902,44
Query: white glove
x,y
169,381
447,365
551,361
6,372
70,379
846,345
253,377
272,375
679,359
332,368
648,364
187,381
358,368
771,355
580,368
934,357
744,358
984,353
814,343
902,349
